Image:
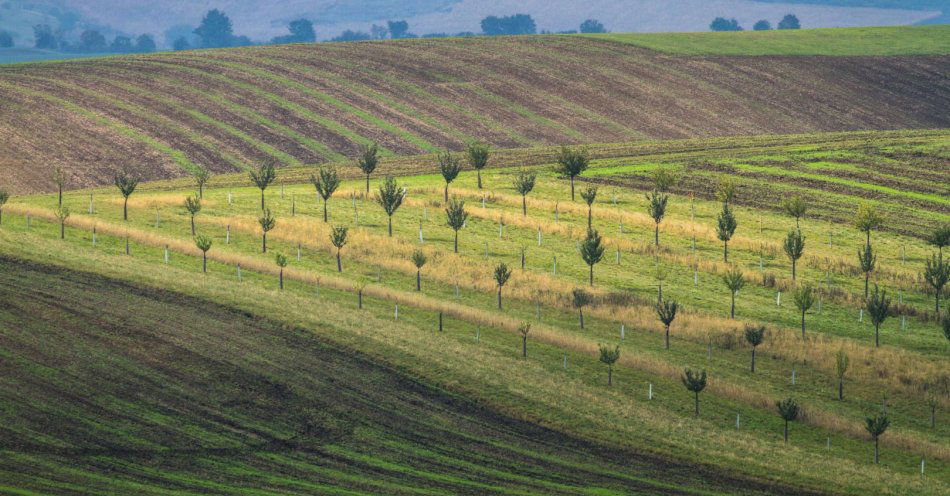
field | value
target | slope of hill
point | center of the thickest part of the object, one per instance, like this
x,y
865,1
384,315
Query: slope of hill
x,y
169,114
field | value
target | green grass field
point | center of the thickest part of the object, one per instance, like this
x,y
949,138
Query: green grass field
x,y
883,41
560,385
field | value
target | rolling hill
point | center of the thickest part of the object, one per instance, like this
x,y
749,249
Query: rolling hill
x,y
167,115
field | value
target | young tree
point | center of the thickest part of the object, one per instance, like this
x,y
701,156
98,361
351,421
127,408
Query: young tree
x,y
940,238
326,183
868,219
663,179
59,178
524,183
572,163
878,306
695,382
666,311
589,195
390,197
267,222
201,178
735,281
204,244
580,299
841,368
725,228
502,274
193,207
419,260
281,262
4,198
867,260
657,209
450,167
62,213
727,190
524,328
338,239
609,357
263,177
368,160
754,335
788,410
937,274
804,300
795,207
478,154
794,247
456,216
876,427
126,182
592,251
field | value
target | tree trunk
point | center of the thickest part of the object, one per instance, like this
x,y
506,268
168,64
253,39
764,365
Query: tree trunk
x,y
62,230
656,235
339,262
697,402
456,241
418,280
524,205
937,307
446,192
867,277
390,226
281,278
479,174
753,359
875,450
732,313
793,269
610,375
325,218
192,225
125,209
204,262
580,311
590,216
264,243
786,431
367,185
359,299
877,341
262,199
840,389
592,275
524,346
499,297
933,416
572,188
725,251
60,196
803,324
667,337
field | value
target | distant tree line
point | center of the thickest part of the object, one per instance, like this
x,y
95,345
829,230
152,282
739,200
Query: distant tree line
x,y
90,41
790,21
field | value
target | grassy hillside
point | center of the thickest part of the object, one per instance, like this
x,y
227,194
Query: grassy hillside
x,y
561,385
225,110
884,41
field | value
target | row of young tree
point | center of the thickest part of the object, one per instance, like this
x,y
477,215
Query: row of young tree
x,y
790,21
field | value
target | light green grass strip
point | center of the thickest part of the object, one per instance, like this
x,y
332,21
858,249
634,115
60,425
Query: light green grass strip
x,y
177,156
329,99
918,40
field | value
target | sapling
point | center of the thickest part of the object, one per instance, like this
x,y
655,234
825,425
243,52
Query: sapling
x,y
804,299
524,183
126,182
326,183
368,160
263,177
841,368
338,238
4,198
794,248
867,219
456,216
694,382
572,163
267,222
876,426
788,410
656,207
193,207
450,167
524,328
609,357
580,299
204,244
419,260
201,177
937,274
502,274
666,311
795,207
867,260
478,154
878,307
281,262
592,251
62,213
727,190
754,335
726,225
59,178
360,285
589,195
663,179
734,281
940,237
390,196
